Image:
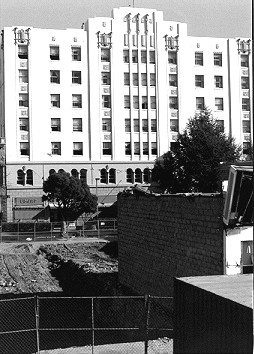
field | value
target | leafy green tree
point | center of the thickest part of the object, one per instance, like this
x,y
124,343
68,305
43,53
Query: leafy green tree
x,y
70,195
194,165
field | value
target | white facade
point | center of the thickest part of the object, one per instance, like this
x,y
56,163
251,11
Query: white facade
x,y
109,98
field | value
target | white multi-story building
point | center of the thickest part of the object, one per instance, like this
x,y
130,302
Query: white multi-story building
x,y
104,101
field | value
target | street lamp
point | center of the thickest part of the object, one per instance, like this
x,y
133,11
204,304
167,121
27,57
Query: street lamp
x,y
97,210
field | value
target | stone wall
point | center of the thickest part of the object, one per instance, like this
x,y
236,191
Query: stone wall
x,y
166,236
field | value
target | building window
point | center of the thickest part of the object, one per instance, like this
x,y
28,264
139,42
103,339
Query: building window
x,y
143,79
24,149
144,102
23,76
218,81
76,101
129,176
145,125
174,125
134,56
29,177
76,53
21,177
77,124
219,104
172,57
78,148
244,82
106,124
127,125
200,103
244,61
246,126
76,77
246,148
152,57
83,175
106,148
152,79
23,52
23,100
106,101
145,148
105,55
127,79
56,148
173,102
55,76
126,56
54,53
24,124
105,78
103,176
143,56
173,146
127,148
217,59
146,175
220,124
153,102
126,102
245,104
136,125
55,100
135,79
55,124
74,173
199,58
153,125
136,148
138,175
154,148
172,80
135,102
199,80
112,175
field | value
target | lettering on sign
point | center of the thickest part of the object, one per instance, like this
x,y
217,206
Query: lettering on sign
x,y
22,201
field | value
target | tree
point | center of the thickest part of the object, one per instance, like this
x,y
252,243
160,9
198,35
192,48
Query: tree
x,y
194,165
70,195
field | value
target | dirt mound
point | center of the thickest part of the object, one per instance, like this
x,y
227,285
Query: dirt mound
x,y
25,269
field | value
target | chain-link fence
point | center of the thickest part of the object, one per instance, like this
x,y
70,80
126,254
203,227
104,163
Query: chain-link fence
x,y
40,231
87,325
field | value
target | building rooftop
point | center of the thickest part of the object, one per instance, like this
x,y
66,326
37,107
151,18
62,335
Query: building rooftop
x,y
237,288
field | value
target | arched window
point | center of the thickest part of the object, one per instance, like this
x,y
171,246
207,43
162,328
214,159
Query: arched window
x,y
21,177
51,171
129,175
104,176
138,175
112,175
61,170
83,175
29,177
74,173
146,175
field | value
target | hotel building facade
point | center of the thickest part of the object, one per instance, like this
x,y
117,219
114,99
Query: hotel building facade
x,y
104,101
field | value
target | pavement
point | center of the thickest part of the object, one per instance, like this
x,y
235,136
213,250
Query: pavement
x,y
159,346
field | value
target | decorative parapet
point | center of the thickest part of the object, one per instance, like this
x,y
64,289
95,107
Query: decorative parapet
x,y
21,35
104,39
243,46
171,43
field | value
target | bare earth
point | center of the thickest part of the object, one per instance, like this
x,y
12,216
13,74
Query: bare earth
x,y
23,270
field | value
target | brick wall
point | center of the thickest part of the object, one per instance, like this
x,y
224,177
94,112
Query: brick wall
x,y
163,236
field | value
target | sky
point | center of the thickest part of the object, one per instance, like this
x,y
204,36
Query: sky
x,y
205,18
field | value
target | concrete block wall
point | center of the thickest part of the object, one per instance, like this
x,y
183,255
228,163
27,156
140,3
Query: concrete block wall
x,y
166,236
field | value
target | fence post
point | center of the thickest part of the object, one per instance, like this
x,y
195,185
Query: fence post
x,y
92,326
51,230
147,309
35,230
37,323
